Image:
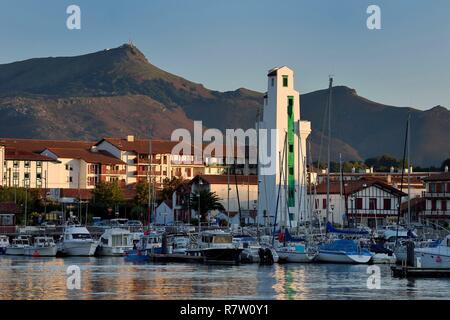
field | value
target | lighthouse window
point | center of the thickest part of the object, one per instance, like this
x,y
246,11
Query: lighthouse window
x,y
291,148
272,81
285,81
291,170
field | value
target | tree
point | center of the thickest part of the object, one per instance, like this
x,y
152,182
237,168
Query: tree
x,y
208,201
169,187
142,191
107,195
446,163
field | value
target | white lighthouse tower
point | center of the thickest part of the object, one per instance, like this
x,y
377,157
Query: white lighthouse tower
x,y
283,186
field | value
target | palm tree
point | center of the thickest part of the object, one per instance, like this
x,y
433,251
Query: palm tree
x,y
208,201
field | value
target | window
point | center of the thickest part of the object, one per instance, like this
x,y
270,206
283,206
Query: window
x,y
291,171
27,164
438,188
448,187
387,204
444,205
432,188
38,164
324,203
291,148
67,167
272,81
316,203
26,175
372,203
433,204
359,203
70,179
285,81
15,163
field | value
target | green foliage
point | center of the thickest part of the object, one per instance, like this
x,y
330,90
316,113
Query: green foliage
x,y
169,187
142,191
208,201
107,194
384,163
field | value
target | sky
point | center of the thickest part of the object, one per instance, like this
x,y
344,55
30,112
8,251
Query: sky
x,y
229,44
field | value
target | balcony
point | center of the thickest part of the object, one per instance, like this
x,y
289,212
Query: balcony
x,y
436,213
117,172
427,194
146,161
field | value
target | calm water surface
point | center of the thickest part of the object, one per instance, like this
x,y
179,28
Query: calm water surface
x,y
114,278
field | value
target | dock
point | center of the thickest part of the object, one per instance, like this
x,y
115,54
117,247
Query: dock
x,y
414,272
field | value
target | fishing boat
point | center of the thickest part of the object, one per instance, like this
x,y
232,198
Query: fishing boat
x,y
178,243
437,257
216,247
4,243
114,242
77,241
18,245
343,251
41,247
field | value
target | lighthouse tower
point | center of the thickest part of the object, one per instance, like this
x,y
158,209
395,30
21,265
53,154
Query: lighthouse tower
x,y
282,182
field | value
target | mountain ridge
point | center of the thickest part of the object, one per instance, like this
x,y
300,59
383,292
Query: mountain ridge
x,y
118,91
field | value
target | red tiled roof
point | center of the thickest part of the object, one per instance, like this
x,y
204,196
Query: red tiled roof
x,y
223,179
37,146
142,146
445,176
16,154
102,157
9,207
352,186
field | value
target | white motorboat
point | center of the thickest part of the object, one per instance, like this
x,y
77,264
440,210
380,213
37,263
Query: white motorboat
x,y
115,242
4,243
296,252
254,252
343,251
77,241
18,245
41,247
437,257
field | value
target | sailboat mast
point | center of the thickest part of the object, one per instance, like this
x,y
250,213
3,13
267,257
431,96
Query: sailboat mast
x,y
409,169
330,88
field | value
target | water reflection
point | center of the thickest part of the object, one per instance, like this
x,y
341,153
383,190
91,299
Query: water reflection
x,y
114,278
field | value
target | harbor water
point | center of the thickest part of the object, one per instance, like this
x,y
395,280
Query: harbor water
x,y
115,278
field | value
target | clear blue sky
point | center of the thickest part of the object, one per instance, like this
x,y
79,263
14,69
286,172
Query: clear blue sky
x,y
232,43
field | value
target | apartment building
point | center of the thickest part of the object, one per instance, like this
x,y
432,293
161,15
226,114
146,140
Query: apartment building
x,y
81,168
366,201
25,169
2,163
162,164
437,198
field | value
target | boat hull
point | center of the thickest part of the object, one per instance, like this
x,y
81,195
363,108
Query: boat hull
x,y
384,258
342,257
40,252
218,255
434,260
79,248
296,257
14,251
113,251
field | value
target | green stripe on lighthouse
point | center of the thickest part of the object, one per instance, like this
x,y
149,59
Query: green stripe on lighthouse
x,y
291,154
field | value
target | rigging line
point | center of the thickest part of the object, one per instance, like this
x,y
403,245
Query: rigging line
x,y
278,195
401,182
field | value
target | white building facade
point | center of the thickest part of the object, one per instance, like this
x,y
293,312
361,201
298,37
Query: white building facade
x,y
282,188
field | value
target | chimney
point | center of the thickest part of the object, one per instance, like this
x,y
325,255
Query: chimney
x,y
389,179
130,138
392,169
446,169
353,170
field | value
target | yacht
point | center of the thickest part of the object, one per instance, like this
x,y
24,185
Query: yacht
x,y
437,257
147,245
115,242
4,243
216,247
18,245
41,247
178,243
77,241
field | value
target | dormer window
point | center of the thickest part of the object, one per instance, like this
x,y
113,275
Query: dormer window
x,y
285,81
